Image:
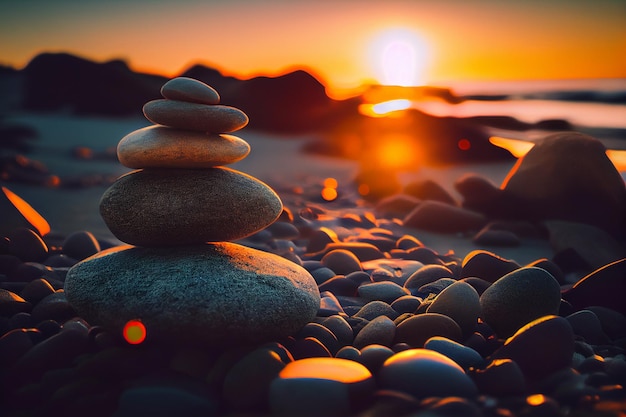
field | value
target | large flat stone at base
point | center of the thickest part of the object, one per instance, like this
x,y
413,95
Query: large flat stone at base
x,y
212,294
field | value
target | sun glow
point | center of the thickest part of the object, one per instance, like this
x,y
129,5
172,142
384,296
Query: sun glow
x,y
400,57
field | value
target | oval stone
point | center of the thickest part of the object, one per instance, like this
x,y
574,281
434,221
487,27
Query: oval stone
x,y
541,347
461,303
216,294
159,207
190,90
194,116
166,147
425,373
518,298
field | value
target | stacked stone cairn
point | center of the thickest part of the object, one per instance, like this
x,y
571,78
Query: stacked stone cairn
x,y
181,275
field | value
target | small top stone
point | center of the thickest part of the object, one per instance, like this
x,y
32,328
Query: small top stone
x,y
190,90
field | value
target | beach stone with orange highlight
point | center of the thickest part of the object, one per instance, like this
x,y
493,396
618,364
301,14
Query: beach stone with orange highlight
x,y
166,147
568,176
518,298
541,347
440,217
417,329
16,212
211,294
425,373
321,387
194,116
190,90
167,207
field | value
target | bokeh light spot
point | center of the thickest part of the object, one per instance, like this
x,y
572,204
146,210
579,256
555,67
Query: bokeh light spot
x,y
134,332
364,189
464,144
331,183
329,194
535,399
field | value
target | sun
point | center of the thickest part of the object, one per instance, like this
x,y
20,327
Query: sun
x,y
399,57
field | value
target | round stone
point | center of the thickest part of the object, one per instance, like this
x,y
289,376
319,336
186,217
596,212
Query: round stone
x,y
190,90
159,207
541,347
216,294
320,387
194,116
416,330
80,245
166,147
425,373
518,298
461,303
568,176
16,213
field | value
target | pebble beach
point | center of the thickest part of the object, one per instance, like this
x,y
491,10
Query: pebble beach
x,y
450,296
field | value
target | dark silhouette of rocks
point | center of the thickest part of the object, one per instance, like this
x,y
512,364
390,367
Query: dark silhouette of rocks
x,y
63,82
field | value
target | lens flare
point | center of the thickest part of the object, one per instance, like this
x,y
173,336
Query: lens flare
x,y
134,332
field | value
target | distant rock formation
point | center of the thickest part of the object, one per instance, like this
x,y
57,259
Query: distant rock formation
x,y
293,102
54,82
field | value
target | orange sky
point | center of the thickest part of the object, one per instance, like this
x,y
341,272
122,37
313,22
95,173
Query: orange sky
x,y
343,42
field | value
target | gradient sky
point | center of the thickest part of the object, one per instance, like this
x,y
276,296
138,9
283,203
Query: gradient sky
x,y
342,42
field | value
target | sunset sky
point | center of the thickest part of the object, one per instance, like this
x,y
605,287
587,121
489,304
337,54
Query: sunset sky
x,y
345,43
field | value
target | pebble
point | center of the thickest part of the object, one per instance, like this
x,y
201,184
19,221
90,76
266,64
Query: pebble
x,y
501,238
36,290
376,308
416,330
428,190
486,265
518,298
501,378
250,301
164,400
425,373
603,287
406,304
341,261
340,285
464,356
323,274
27,245
379,331
586,324
363,251
426,275
408,242
373,356
543,346
322,334
247,384
15,212
189,90
384,291
558,173
397,205
180,207
165,147
54,307
340,328
80,245
194,116
321,386
11,303
461,303
440,217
